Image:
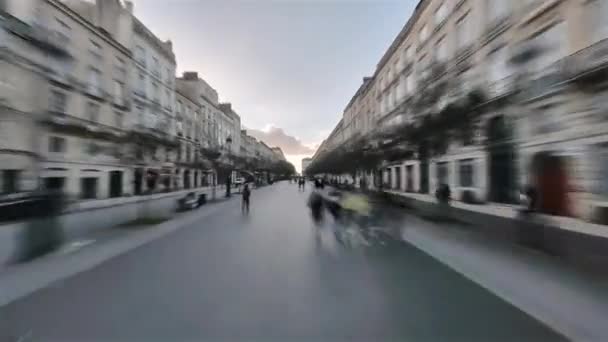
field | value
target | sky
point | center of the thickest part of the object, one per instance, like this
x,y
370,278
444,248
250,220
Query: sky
x,y
289,67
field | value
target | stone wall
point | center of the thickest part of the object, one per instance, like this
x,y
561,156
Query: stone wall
x,y
537,231
83,218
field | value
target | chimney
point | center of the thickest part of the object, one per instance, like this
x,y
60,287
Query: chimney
x,y
226,106
190,75
169,44
128,6
108,14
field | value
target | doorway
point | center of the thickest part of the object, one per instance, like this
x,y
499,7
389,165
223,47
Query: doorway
x,y
115,184
501,162
138,181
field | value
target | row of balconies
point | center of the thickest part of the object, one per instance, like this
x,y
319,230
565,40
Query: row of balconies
x,y
98,92
52,42
586,66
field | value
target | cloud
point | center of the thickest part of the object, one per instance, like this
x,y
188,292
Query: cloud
x,y
275,136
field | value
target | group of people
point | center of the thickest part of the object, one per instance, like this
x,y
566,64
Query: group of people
x,y
301,183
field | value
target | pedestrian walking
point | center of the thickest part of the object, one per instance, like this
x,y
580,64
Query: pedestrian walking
x,y
245,202
315,203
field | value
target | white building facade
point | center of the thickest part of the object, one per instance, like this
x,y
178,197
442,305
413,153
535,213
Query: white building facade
x,y
80,99
540,65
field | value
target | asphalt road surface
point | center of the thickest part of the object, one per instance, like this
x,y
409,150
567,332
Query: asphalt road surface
x,y
269,275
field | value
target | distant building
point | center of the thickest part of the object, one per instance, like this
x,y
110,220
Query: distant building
x,y
279,153
305,164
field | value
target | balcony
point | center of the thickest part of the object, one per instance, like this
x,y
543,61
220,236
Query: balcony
x,y
63,122
95,91
141,93
463,53
121,102
62,79
97,57
502,87
141,61
589,65
495,28
54,43
547,81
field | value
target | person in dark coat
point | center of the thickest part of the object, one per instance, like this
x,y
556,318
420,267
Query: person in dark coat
x,y
246,195
315,203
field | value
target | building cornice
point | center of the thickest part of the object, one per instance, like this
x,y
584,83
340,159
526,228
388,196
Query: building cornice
x,y
184,95
420,7
142,30
100,33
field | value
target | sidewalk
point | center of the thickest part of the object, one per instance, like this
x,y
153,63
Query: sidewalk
x,y
86,252
511,212
572,303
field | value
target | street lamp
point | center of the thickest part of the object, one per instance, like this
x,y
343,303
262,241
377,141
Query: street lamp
x,y
229,178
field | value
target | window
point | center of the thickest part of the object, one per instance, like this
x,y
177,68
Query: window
x,y
155,92
63,31
62,25
141,84
96,52
409,53
91,148
424,34
553,43
54,183
57,145
463,32
88,188
441,51
94,81
423,68
58,101
156,66
119,88
140,55
499,67
118,119
93,111
547,119
140,114
168,98
120,66
466,173
441,13
10,181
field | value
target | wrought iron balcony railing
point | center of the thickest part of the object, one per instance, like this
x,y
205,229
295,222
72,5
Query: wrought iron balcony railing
x,y
589,63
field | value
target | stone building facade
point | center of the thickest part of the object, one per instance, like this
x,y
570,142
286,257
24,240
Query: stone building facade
x,y
541,67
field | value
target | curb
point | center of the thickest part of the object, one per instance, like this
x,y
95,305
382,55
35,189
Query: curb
x,y
554,303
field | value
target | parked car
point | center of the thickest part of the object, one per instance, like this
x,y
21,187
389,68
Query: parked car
x,y
188,202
